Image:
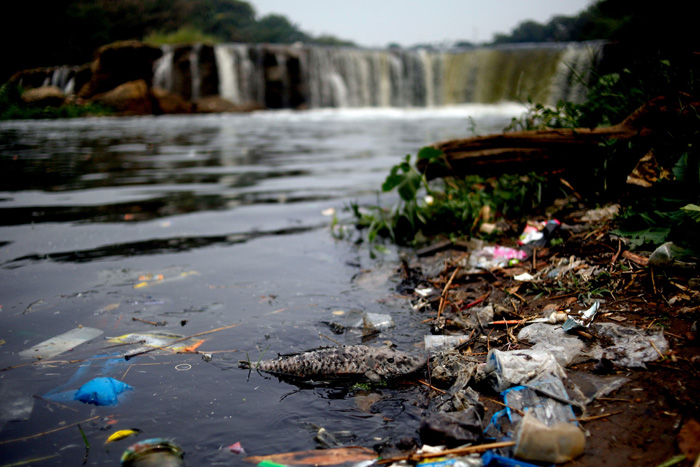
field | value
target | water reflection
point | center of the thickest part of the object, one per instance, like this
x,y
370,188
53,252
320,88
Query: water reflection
x,y
207,178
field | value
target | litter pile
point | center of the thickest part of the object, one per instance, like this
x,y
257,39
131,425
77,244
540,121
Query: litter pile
x,y
565,347
540,336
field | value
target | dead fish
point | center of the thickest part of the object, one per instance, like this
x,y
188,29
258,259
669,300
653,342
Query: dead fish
x,y
353,361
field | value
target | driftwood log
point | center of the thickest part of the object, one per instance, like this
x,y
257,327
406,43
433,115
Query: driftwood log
x,y
549,150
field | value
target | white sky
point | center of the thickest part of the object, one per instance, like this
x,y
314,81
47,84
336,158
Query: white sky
x,y
410,22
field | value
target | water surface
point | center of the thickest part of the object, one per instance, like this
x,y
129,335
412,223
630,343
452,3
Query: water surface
x,y
200,222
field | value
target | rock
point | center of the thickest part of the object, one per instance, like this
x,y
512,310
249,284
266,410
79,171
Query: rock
x,y
45,96
119,63
169,103
215,104
32,78
132,98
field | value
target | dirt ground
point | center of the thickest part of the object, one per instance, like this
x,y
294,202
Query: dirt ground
x,y
653,418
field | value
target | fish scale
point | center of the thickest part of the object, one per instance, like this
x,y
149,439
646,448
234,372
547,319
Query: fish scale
x,y
348,361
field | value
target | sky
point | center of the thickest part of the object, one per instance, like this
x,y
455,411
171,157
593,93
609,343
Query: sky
x,y
377,23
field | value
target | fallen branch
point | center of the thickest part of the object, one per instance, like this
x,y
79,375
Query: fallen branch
x,y
457,451
553,150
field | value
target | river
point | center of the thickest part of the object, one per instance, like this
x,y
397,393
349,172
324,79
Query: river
x,y
202,223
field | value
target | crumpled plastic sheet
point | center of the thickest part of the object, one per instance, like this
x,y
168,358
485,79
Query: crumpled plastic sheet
x,y
633,347
513,368
566,348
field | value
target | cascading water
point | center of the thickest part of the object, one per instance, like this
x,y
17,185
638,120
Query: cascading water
x,y
163,69
276,76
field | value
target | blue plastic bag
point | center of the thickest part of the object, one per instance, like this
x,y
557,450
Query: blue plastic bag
x,y
101,391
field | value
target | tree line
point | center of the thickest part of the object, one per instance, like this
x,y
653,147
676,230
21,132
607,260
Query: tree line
x,y
55,32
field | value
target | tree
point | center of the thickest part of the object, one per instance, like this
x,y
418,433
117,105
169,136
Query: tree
x,y
277,29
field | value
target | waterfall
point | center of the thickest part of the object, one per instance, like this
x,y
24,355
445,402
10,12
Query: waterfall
x,y
279,76
239,77
194,71
163,69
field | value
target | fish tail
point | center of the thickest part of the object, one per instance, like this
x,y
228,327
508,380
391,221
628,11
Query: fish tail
x,y
245,364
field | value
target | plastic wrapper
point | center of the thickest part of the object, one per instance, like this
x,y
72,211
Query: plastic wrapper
x,y
632,347
443,342
566,348
492,257
507,369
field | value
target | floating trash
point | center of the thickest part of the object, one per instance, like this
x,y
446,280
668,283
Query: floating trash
x,y
101,391
122,434
61,343
174,342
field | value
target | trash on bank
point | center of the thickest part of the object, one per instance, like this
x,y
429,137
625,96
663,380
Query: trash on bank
x,y
586,319
453,428
491,459
538,233
492,257
61,343
632,347
154,452
101,391
506,369
667,255
318,456
566,348
558,443
440,342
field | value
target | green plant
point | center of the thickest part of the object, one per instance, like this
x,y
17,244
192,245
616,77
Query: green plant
x,y
184,35
12,107
448,206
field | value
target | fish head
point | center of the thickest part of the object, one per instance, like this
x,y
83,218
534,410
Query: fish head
x,y
389,363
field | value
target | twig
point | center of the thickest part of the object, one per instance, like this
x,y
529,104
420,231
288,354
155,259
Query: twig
x,y
657,350
431,386
595,417
447,452
617,254
443,297
127,357
518,411
534,258
7,441
54,403
477,301
330,339
154,323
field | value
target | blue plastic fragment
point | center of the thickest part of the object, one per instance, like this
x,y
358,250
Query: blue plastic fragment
x,y
101,391
494,460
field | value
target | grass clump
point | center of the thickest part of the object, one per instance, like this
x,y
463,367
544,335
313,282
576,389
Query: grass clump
x,y
184,35
12,107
